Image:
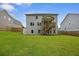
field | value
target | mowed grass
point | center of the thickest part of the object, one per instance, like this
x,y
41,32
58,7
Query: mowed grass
x,y
17,44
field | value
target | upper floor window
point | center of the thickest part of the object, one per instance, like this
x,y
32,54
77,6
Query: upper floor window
x,y
32,24
39,31
36,17
39,23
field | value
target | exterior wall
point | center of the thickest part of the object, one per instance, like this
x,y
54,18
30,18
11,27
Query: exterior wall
x,y
7,22
4,22
70,23
32,18
35,27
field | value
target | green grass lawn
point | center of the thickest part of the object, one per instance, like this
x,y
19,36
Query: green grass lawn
x,y
17,44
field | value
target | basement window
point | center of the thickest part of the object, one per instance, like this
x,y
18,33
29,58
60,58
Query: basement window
x,y
32,31
39,31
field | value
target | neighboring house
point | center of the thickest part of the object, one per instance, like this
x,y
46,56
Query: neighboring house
x,y
41,24
7,22
70,23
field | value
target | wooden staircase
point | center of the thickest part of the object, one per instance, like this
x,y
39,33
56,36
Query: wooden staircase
x,y
48,25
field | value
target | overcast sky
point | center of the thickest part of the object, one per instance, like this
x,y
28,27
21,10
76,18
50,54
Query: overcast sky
x,y
18,10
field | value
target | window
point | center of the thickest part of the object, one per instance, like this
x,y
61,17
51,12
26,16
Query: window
x,y
32,31
54,31
39,31
31,24
36,17
39,24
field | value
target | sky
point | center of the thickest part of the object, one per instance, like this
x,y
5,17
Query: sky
x,y
18,10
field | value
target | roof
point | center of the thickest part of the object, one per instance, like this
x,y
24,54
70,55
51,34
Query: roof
x,y
68,15
40,14
18,22
73,13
